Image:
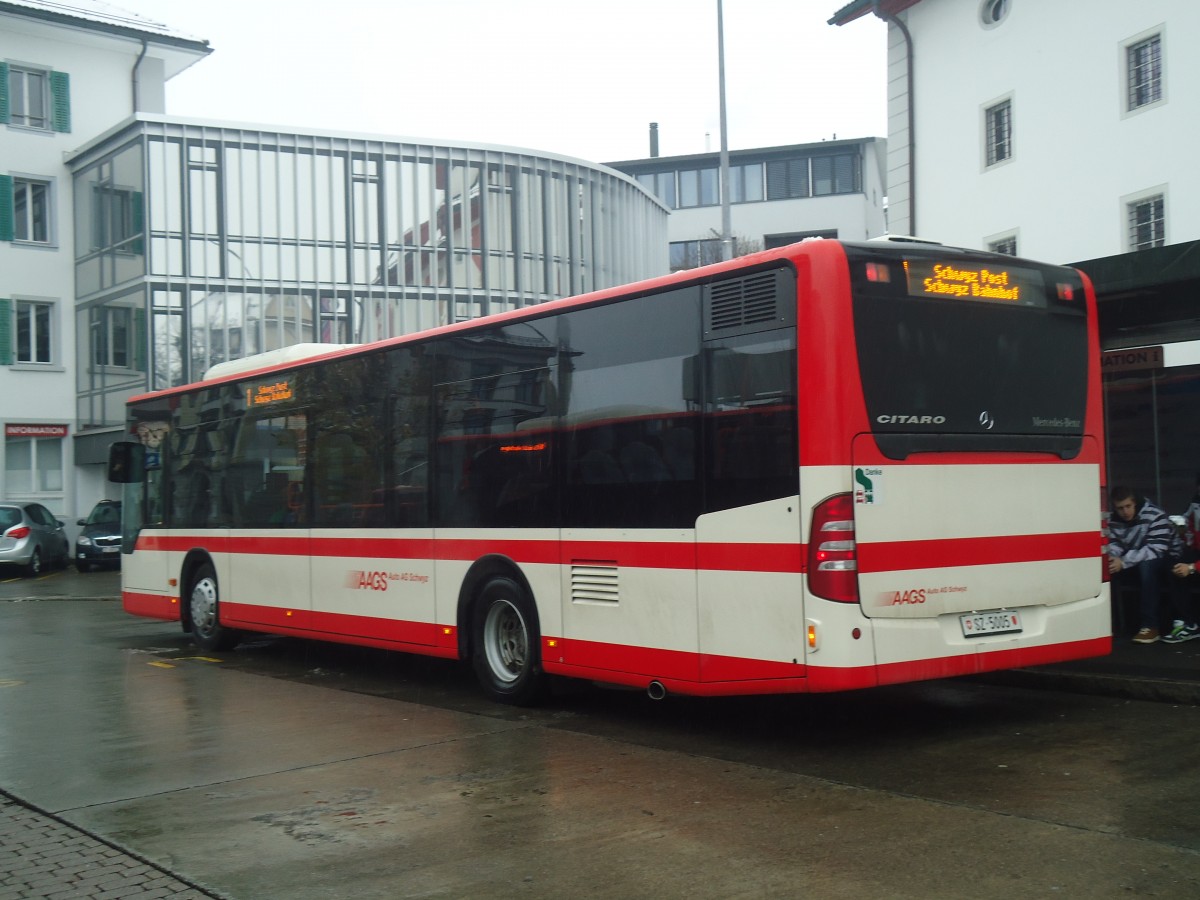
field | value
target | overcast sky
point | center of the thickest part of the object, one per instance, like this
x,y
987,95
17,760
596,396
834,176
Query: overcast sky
x,y
572,77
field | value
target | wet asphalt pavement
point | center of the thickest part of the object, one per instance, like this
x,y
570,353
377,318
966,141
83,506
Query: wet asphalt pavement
x,y
132,766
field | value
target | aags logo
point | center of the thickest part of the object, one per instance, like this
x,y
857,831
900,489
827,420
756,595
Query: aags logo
x,y
899,598
367,581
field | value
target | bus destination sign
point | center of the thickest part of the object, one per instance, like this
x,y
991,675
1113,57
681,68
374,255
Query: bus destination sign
x,y
264,394
967,281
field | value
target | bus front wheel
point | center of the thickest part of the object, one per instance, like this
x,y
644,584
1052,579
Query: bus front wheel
x,y
505,643
204,611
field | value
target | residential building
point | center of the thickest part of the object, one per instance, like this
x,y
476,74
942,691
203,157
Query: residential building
x,y
67,72
777,195
1069,140
1063,131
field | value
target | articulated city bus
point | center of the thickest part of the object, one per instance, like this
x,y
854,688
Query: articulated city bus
x,y
822,467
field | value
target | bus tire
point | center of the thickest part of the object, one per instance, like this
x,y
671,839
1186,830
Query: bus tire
x,y
505,643
204,612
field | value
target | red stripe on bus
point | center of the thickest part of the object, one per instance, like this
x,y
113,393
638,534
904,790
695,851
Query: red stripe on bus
x,y
993,660
153,606
729,557
977,551
651,662
371,631
730,675
562,654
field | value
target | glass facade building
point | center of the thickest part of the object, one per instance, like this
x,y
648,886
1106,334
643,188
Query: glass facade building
x,y
200,243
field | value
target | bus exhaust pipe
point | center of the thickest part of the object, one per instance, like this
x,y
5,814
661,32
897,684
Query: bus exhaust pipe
x,y
656,691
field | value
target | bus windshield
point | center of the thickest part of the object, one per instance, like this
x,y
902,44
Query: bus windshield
x,y
969,352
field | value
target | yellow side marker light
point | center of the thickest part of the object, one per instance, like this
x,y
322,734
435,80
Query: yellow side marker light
x,y
812,637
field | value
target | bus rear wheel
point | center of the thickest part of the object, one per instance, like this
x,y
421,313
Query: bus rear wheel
x,y
505,643
204,610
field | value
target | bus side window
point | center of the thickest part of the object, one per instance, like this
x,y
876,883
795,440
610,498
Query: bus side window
x,y
630,442
405,493
750,435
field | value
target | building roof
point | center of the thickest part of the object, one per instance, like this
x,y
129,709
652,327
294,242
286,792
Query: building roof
x,y
667,162
860,8
1147,296
98,16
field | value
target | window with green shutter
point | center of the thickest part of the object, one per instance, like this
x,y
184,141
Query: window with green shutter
x,y
139,340
5,332
35,98
60,92
6,208
3,93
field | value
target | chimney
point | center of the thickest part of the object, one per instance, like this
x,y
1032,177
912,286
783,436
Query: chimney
x,y
653,139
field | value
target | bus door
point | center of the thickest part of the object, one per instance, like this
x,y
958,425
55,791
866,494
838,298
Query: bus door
x,y
145,573
268,540
749,552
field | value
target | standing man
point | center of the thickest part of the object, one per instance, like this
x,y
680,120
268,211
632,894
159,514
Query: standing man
x,y
1186,626
1141,545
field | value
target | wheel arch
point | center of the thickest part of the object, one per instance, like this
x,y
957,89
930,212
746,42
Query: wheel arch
x,y
492,565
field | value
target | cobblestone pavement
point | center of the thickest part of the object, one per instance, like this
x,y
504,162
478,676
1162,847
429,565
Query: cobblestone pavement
x,y
43,858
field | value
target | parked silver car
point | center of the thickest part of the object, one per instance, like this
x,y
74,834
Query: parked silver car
x,y
31,537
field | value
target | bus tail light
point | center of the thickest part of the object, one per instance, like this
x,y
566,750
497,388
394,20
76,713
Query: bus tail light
x,y
21,531
832,553
878,272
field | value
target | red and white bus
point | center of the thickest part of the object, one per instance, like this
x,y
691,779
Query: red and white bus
x,y
822,467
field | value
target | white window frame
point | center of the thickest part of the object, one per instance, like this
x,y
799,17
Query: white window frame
x,y
986,111
1129,203
53,319
38,491
991,241
22,120
112,219
105,347
21,180
1126,46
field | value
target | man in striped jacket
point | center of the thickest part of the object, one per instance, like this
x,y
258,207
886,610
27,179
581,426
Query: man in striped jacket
x,y
1142,543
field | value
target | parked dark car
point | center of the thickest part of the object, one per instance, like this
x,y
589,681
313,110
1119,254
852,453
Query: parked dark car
x,y
99,544
30,537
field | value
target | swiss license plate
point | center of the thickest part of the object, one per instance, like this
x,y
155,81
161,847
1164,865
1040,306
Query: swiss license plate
x,y
1000,622
109,549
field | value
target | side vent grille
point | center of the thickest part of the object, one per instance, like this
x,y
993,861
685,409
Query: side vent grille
x,y
594,582
746,305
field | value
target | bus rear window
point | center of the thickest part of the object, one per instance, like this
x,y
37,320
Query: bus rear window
x,y
965,352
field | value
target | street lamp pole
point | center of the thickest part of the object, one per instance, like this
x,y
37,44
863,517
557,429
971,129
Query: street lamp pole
x,y
726,237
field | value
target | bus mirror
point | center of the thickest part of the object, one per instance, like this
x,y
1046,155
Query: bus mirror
x,y
126,463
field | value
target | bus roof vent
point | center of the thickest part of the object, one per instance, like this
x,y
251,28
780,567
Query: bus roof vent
x,y
749,304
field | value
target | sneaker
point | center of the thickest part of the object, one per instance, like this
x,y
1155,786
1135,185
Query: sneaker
x,y
1146,636
1181,633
